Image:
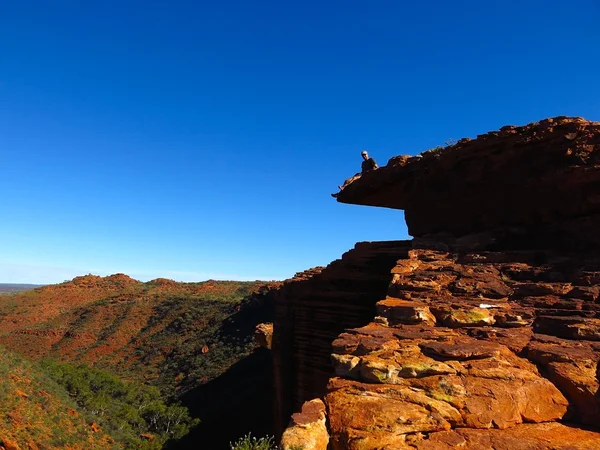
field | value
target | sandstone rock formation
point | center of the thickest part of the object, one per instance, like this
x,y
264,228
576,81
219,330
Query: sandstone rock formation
x,y
313,308
541,173
465,342
263,334
488,334
307,428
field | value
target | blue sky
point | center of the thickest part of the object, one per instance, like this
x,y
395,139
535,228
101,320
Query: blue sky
x,y
195,140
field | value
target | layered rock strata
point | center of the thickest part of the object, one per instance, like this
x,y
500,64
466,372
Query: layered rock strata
x,y
477,341
488,336
313,308
525,176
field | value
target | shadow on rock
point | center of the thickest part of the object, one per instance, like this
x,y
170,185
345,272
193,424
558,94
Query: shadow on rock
x,y
230,406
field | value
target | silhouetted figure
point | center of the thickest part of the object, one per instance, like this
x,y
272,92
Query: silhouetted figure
x,y
367,165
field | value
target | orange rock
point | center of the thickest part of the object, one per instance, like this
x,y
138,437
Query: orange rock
x,y
21,394
543,436
472,367
263,334
9,444
366,416
307,428
16,417
572,367
405,312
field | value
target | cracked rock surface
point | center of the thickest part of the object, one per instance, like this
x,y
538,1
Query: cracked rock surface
x,y
467,354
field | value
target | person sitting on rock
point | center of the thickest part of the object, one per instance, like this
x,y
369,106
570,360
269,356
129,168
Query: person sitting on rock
x,y
367,165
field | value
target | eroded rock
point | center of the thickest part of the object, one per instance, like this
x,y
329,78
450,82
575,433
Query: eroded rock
x,y
488,336
263,334
533,175
307,430
366,416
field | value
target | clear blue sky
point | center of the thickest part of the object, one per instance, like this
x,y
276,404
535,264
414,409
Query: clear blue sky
x,y
196,140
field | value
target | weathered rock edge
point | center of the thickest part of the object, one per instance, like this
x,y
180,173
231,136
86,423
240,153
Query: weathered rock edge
x,y
544,172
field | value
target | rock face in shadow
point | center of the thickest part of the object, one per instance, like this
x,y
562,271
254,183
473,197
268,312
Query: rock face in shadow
x,y
241,398
488,334
313,308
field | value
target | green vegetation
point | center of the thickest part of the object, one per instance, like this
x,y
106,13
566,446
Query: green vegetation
x,y
188,344
266,443
168,334
133,414
249,442
437,151
151,345
35,409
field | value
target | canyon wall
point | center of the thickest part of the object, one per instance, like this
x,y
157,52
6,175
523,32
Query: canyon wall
x,y
487,333
314,307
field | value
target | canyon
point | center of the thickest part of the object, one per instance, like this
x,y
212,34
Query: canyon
x,y
482,332
190,342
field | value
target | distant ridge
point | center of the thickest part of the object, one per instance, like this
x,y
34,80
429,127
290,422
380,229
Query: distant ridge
x,y
8,287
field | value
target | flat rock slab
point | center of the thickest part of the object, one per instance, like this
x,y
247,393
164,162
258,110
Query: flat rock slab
x,y
461,350
543,436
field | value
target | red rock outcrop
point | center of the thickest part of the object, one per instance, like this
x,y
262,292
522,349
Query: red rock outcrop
x,y
542,173
484,340
313,308
263,334
9,444
488,335
307,428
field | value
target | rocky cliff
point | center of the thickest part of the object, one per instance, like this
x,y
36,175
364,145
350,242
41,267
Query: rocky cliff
x,y
487,334
314,307
541,178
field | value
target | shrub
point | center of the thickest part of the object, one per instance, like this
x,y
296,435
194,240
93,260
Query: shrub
x,y
249,442
124,410
34,408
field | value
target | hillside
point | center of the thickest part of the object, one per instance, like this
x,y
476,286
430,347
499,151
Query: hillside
x,y
53,405
182,338
35,412
160,331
